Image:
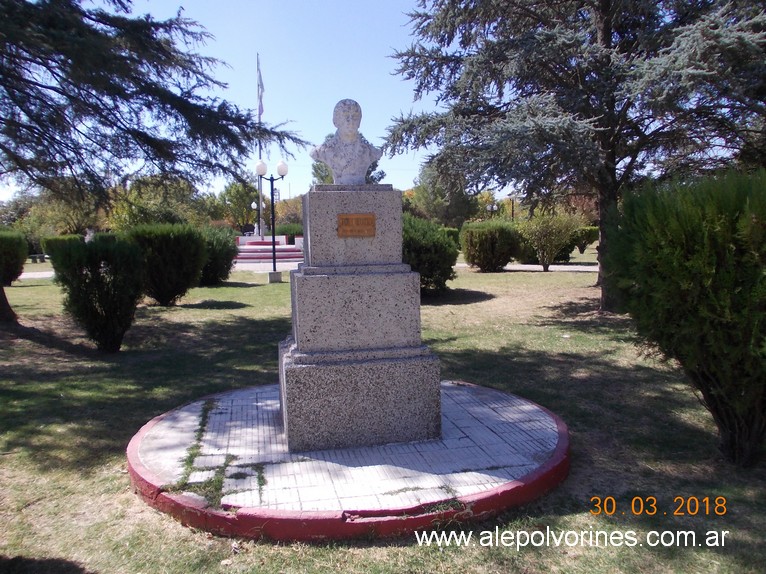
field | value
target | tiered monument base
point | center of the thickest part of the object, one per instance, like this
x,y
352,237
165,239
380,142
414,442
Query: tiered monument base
x,y
354,371
361,398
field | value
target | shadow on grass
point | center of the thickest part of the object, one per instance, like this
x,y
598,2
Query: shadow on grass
x,y
28,284
583,315
71,409
236,284
22,565
455,297
213,304
51,340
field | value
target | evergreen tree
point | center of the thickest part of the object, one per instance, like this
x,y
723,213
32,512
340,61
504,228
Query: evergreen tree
x,y
593,95
85,92
91,93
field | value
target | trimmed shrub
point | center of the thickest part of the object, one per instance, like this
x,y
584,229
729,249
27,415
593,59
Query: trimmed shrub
x,y
688,263
221,248
489,245
427,248
52,246
103,283
291,230
549,235
174,256
13,255
454,234
584,237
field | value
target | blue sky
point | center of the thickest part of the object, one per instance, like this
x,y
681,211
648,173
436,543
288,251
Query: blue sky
x,y
313,53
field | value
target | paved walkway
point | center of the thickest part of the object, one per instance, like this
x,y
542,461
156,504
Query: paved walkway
x,y
497,450
287,266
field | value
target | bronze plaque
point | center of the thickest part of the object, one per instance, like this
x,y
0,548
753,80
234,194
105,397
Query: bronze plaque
x,y
356,225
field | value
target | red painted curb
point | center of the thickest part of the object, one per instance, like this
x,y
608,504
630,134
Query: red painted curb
x,y
308,526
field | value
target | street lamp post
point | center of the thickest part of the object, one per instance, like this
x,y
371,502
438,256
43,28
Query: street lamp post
x,y
513,197
256,225
261,169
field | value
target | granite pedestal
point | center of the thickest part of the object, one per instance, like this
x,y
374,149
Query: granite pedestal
x,y
354,371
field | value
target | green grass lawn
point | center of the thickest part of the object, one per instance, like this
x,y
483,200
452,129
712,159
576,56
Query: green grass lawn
x,y
637,431
38,266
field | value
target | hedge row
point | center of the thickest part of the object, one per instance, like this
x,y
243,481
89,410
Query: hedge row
x,y
491,245
103,279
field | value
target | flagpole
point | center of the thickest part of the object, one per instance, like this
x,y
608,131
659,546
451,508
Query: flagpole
x,y
260,91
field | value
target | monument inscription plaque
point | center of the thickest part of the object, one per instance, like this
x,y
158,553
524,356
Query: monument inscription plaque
x,y
356,225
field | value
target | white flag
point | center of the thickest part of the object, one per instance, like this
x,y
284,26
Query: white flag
x,y
260,87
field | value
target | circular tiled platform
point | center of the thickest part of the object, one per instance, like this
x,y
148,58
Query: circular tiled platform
x,y
497,451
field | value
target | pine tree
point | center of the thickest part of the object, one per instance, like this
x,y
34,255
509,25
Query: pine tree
x,y
85,92
584,96
94,93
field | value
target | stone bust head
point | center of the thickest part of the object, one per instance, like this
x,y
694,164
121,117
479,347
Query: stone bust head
x,y
348,154
347,117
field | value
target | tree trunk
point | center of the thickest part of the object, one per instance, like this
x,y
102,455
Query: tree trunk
x,y
607,207
6,313
608,137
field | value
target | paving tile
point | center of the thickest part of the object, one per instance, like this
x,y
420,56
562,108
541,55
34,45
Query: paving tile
x,y
201,476
432,495
235,484
321,505
368,502
488,439
313,493
241,499
209,461
288,499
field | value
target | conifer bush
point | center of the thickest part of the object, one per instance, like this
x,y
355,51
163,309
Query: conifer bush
x,y
454,234
102,283
427,248
13,255
52,246
489,245
221,248
688,262
174,255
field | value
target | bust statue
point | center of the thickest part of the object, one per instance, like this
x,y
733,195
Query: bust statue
x,y
347,153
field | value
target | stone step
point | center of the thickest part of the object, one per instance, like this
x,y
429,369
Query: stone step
x,y
268,257
264,248
264,253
